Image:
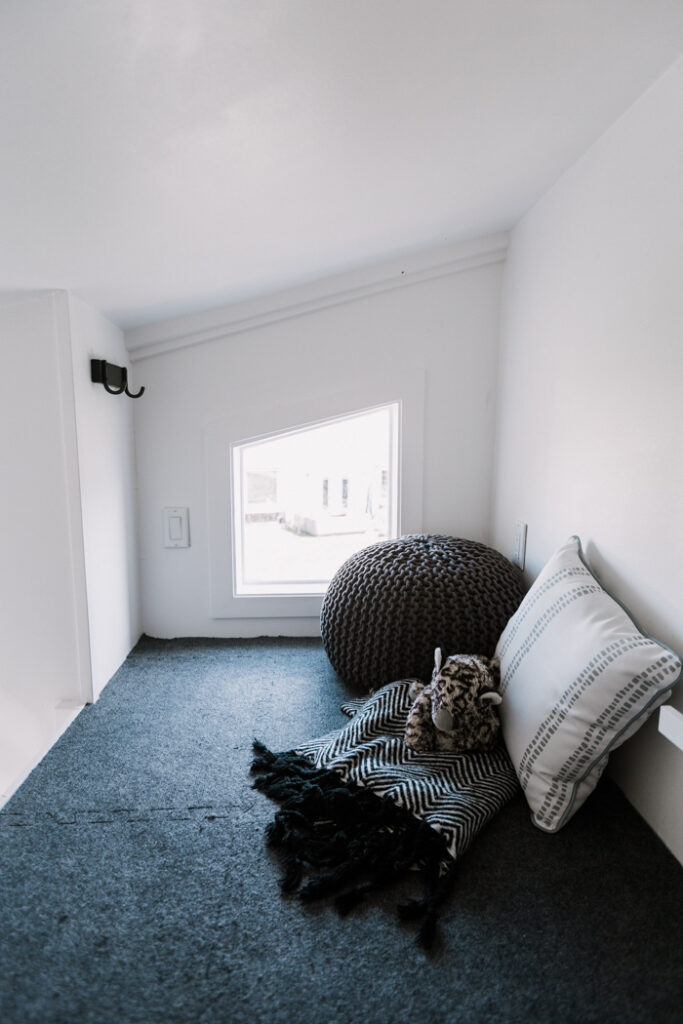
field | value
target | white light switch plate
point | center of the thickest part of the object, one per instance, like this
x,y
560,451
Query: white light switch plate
x,y
176,527
519,553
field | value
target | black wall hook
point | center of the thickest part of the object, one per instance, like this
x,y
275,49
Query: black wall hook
x,y
130,393
113,378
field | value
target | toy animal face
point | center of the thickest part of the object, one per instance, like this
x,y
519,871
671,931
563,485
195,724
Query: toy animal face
x,y
463,688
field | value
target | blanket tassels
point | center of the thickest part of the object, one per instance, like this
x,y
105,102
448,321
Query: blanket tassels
x,y
428,908
347,840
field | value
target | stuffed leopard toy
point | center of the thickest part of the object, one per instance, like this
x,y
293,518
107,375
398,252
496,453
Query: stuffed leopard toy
x,y
457,709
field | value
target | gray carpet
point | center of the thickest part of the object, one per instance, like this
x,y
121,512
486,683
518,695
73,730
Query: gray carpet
x,y
136,887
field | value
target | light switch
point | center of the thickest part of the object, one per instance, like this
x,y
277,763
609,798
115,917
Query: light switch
x,y
176,528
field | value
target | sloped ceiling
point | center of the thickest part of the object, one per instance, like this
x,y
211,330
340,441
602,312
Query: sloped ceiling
x,y
163,156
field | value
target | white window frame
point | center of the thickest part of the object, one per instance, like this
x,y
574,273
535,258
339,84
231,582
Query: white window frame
x,y
253,423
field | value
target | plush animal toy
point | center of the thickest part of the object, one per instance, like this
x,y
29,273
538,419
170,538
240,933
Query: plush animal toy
x,y
457,709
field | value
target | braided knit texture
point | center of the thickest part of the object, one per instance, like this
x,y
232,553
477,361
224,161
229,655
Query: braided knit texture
x,y
392,603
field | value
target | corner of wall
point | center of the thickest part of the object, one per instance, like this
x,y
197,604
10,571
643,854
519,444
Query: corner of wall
x,y
106,458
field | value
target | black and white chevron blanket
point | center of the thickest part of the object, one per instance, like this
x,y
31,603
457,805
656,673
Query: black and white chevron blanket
x,y
359,808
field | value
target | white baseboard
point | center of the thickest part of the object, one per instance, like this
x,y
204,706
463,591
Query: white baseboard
x,y
72,709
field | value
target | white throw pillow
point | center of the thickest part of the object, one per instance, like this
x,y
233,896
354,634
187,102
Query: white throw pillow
x,y
578,677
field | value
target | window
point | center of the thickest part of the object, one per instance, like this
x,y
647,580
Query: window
x,y
262,418
306,499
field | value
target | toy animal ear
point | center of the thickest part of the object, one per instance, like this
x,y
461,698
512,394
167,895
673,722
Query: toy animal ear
x,y
437,658
491,697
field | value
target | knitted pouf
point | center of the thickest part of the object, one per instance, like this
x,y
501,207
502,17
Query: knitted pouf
x,y
391,604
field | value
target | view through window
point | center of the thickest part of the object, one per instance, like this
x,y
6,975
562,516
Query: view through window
x,y
307,499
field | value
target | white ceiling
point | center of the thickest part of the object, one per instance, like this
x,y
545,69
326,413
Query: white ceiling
x,y
164,156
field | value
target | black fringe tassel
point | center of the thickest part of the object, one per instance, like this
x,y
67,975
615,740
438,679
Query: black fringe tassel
x,y
349,841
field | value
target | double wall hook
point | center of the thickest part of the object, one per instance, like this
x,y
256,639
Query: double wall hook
x,y
113,378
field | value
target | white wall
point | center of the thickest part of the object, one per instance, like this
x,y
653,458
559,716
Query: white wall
x,y
106,457
44,653
591,403
68,562
445,328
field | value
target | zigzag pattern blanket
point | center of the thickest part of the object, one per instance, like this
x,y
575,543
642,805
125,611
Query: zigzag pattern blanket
x,y
359,807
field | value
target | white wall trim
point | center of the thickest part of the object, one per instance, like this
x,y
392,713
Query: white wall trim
x,y
71,710
72,484
183,332
671,724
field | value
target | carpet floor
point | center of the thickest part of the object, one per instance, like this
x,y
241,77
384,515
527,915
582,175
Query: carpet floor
x,y
136,888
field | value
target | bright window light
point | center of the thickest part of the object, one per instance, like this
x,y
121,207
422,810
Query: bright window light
x,y
306,499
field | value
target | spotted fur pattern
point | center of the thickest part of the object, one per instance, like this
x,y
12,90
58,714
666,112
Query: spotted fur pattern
x,y
453,699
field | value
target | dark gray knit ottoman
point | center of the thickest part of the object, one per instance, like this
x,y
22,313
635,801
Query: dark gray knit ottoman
x,y
391,604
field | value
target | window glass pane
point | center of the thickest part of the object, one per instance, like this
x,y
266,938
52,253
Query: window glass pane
x,y
307,499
